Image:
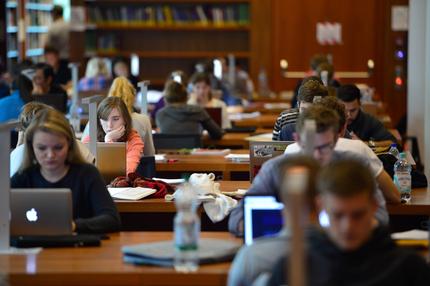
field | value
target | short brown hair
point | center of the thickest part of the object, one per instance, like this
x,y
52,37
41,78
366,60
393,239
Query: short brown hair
x,y
333,103
310,89
175,92
346,178
312,167
324,118
103,111
200,77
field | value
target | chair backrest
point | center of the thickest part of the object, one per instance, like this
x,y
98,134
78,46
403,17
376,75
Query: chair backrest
x,y
176,141
216,114
57,101
146,167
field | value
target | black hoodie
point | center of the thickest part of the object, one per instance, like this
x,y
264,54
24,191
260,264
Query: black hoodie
x,y
378,262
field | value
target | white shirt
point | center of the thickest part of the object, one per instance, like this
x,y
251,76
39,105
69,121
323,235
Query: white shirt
x,y
349,145
17,156
58,37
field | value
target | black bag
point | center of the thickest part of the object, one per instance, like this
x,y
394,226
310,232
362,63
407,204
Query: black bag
x,y
419,180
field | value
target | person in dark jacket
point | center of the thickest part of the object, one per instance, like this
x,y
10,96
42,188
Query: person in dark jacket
x,y
180,118
353,249
361,125
52,160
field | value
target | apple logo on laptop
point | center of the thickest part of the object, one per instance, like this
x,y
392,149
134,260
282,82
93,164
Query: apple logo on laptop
x,y
31,215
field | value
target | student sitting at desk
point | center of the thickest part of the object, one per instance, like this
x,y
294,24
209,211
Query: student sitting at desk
x,y
202,96
114,125
122,88
52,160
178,117
353,249
43,81
28,113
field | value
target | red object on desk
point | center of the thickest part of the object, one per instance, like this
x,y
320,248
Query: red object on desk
x,y
172,160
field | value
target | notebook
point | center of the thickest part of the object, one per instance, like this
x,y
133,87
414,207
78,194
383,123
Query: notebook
x,y
41,212
261,151
262,216
132,194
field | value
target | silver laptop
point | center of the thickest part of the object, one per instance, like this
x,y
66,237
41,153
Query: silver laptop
x,y
41,212
261,151
111,160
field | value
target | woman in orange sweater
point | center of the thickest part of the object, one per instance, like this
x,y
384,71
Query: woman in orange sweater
x,y
114,125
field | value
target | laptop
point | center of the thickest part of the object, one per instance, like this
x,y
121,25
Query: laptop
x,y
262,216
261,151
57,101
111,160
41,212
216,114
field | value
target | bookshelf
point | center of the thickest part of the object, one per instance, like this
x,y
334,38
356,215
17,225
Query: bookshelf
x,y
27,22
168,34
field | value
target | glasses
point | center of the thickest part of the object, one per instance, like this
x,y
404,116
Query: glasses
x,y
325,148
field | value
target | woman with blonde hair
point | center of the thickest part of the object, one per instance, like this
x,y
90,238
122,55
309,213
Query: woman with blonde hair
x,y
97,76
52,160
114,125
122,88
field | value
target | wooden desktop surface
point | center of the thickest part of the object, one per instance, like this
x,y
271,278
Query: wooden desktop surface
x,y
234,139
203,163
262,121
104,266
163,206
419,205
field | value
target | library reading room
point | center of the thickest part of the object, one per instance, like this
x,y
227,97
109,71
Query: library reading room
x,y
214,142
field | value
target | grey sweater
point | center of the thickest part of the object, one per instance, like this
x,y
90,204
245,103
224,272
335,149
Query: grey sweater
x,y
186,119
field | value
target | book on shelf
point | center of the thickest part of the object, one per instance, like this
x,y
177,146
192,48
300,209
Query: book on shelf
x,y
234,14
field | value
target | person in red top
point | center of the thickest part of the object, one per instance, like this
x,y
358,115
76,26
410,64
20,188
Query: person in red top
x,y
114,125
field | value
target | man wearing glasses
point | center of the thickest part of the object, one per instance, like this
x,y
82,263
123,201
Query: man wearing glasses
x,y
325,139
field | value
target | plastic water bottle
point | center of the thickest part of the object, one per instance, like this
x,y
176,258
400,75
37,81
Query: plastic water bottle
x,y
394,151
402,177
187,230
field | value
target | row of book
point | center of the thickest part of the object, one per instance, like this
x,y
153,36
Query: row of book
x,y
237,14
103,43
12,42
11,18
35,41
38,18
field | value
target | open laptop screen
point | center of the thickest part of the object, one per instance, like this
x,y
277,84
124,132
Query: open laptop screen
x,y
262,217
41,212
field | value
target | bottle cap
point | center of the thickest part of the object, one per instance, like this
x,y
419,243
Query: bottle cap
x,y
403,155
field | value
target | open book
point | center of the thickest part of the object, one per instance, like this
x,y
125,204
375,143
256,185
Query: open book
x,y
133,194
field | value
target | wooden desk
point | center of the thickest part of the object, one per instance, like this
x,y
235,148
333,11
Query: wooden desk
x,y
203,163
104,266
163,206
262,121
419,204
228,140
